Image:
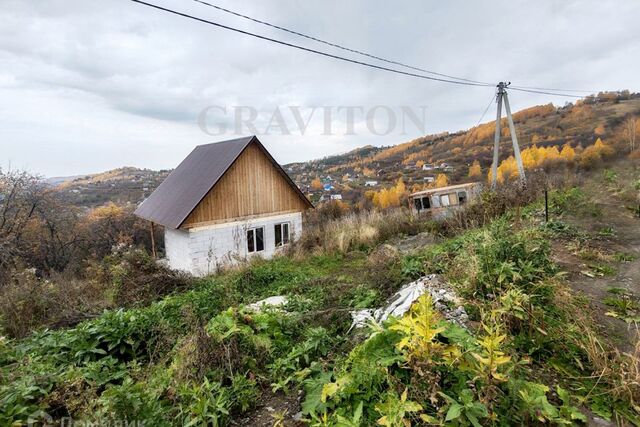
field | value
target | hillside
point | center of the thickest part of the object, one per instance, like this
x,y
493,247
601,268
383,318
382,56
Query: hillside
x,y
123,186
578,125
522,322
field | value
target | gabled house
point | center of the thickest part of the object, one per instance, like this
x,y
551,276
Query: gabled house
x,y
225,202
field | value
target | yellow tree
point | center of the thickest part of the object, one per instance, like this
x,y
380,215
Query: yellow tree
x,y
316,184
552,154
603,149
475,171
441,181
568,153
420,163
631,131
590,157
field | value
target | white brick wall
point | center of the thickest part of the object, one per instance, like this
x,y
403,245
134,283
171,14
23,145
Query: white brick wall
x,y
202,250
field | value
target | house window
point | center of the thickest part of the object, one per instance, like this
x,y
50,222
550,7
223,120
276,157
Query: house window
x,y
255,240
426,202
282,234
462,197
422,203
444,200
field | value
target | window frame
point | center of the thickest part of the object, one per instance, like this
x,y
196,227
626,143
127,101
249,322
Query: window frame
x,y
253,245
417,203
283,240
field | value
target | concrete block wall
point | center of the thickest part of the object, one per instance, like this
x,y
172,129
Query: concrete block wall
x,y
203,250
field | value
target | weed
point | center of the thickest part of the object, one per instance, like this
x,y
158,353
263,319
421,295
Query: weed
x,y
606,232
394,409
244,392
624,257
625,305
610,176
602,269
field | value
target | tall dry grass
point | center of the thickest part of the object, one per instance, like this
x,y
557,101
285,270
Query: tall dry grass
x,y
356,230
618,371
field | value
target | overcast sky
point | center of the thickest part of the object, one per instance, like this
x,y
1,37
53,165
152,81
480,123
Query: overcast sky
x,y
90,85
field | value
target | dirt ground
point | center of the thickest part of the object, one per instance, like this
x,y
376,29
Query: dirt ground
x,y
611,243
274,409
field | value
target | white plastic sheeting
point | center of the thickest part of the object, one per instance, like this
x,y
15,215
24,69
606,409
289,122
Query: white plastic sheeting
x,y
275,301
443,297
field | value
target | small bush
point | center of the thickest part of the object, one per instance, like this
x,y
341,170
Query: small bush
x,y
135,278
28,302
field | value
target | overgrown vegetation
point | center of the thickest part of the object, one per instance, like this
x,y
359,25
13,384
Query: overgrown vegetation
x,y
529,354
95,330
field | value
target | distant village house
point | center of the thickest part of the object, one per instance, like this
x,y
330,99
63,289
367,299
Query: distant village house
x,y
440,201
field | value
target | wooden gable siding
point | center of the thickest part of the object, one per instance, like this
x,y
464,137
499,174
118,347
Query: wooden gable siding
x,y
251,187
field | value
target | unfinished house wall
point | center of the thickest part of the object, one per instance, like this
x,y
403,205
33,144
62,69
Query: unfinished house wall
x,y
176,245
211,247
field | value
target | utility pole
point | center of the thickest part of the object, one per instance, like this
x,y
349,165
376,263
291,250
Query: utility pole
x,y
502,97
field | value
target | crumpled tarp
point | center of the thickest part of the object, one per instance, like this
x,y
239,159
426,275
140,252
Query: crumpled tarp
x,y
401,302
275,301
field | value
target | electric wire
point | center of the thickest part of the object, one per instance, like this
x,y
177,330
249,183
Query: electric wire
x,y
493,98
460,81
555,90
306,49
543,92
347,49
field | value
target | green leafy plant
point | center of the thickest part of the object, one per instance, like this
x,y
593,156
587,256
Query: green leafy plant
x,y
244,392
394,410
610,176
465,410
207,403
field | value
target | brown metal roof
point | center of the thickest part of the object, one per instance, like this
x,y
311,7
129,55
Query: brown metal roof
x,y
189,183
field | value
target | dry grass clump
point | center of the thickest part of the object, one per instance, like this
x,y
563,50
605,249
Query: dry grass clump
x,y
28,302
619,371
355,230
126,278
197,354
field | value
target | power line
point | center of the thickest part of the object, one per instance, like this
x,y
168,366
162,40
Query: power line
x,y
347,49
543,92
486,109
306,49
555,90
342,58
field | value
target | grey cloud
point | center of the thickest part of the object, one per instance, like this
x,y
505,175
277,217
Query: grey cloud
x,y
117,65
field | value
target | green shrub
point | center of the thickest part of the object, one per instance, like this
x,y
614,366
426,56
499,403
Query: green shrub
x,y
244,393
131,401
207,403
